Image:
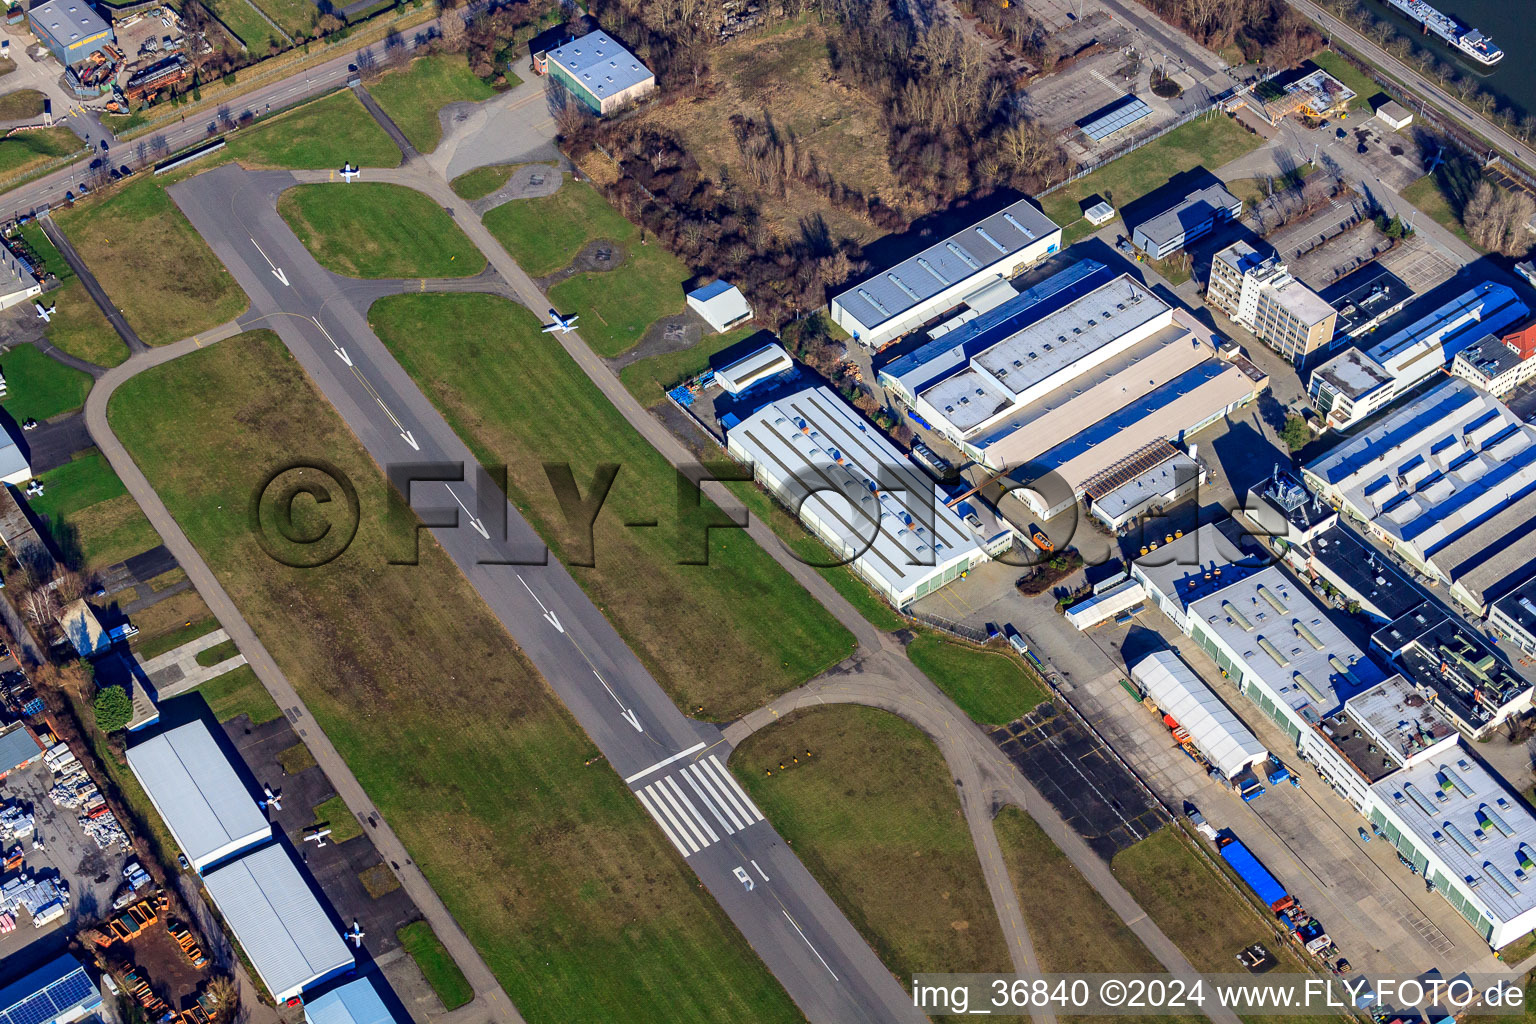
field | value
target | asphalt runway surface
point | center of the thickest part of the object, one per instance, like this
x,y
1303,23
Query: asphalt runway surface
x,y
673,764
1081,778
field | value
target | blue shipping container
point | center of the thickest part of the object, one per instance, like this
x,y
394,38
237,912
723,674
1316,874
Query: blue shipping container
x,y
1248,868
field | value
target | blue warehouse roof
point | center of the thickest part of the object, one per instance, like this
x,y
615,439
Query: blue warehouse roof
x,y
48,993
356,1002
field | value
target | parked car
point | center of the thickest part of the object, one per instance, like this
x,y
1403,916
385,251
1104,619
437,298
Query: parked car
x,y
1340,133
181,859
1365,836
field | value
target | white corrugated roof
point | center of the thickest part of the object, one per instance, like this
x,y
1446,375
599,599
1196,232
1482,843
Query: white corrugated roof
x,y
278,921
356,1002
1173,685
194,787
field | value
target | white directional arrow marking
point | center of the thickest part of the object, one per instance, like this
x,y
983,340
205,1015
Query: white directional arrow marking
x,y
275,271
626,713
411,440
480,529
340,352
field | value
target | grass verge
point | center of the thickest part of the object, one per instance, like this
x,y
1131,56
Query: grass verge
x,y
153,265
873,814
22,103
25,151
342,822
373,229
167,640
452,988
79,327
239,693
989,685
40,388
1200,143
1352,77
1436,196
482,181
617,305
413,95
211,656
484,778
89,515
474,355
318,136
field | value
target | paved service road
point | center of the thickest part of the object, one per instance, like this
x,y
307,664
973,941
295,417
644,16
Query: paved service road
x,y
673,764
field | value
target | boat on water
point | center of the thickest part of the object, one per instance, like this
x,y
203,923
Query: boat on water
x,y
1468,40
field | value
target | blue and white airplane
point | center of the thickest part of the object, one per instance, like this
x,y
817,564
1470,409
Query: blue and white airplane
x,y
349,172
563,324
45,315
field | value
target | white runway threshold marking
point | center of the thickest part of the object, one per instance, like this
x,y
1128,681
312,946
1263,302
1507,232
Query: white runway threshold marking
x,y
642,773
696,812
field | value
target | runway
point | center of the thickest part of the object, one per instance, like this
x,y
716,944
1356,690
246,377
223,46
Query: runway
x,y
675,766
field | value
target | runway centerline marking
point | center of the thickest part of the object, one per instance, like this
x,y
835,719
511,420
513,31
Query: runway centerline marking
x,y
812,948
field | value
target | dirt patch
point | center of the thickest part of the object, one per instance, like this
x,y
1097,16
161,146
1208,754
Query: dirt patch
x,y
598,256
379,880
674,333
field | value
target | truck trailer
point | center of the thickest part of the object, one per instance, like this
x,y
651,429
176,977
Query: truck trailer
x,y
1269,891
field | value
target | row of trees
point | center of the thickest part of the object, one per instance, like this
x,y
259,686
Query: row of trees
x,y
1499,220
1270,31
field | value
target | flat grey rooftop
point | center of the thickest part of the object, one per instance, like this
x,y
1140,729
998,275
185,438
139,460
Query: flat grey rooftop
x,y
1354,374
600,64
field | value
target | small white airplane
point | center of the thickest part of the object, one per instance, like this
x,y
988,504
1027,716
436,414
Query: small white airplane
x,y
273,800
318,838
355,936
349,172
563,324
45,315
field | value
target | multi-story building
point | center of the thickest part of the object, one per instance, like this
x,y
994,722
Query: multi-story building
x,y
1365,299
938,279
1513,616
1494,365
1259,292
1354,384
1451,665
1195,217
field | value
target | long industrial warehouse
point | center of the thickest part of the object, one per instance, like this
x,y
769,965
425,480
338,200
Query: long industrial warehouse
x,y
190,781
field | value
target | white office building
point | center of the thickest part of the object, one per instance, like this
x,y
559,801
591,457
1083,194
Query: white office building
x,y
869,503
916,290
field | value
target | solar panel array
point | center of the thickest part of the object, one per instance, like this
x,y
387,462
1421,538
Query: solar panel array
x,y
1122,116
53,1001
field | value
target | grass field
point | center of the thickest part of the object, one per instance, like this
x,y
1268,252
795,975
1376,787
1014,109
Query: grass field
x,y
814,553
594,917
1070,926
295,16
39,387
373,229
989,685
78,325
1191,903
249,26
89,515
342,822
1352,77
239,693
1443,194
211,656
452,988
413,95
873,814
189,621
616,306
20,104
1200,143
482,181
154,267
473,356
26,151
648,379
321,136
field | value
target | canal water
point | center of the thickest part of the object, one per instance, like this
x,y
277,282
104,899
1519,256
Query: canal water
x,y
1509,23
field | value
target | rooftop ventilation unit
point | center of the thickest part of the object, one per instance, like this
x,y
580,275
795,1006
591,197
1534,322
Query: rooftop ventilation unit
x,y
1501,878
999,246
1459,836
867,297
1236,616
1306,684
1306,634
1274,652
964,256
1011,219
1455,779
1487,816
899,283
930,268
1419,798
